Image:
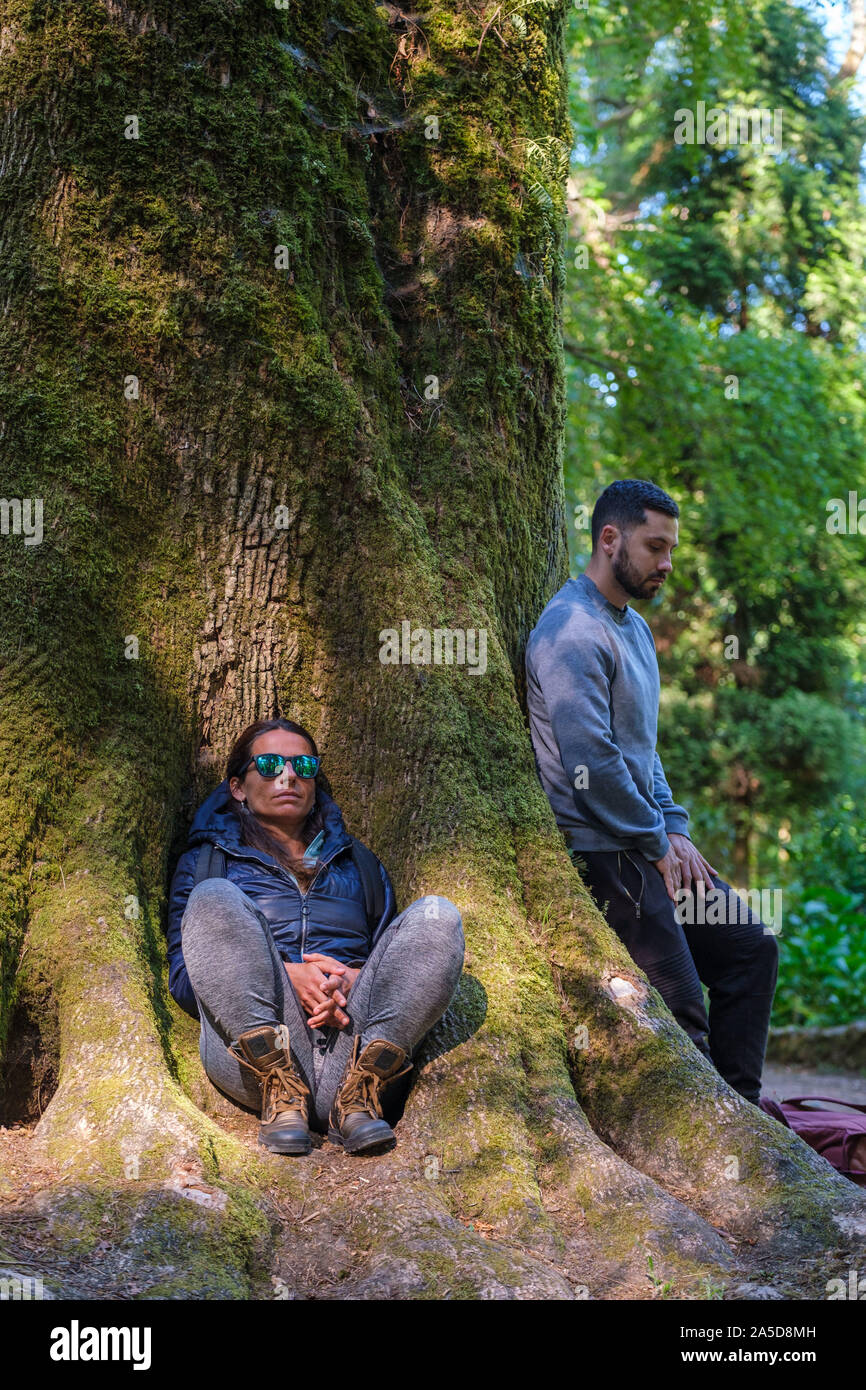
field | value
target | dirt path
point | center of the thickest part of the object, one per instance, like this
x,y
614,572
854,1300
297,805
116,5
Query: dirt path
x,y
781,1081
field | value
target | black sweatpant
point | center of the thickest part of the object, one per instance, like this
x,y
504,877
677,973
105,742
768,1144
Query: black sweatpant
x,y
736,960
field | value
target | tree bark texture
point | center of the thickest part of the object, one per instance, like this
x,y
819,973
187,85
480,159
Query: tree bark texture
x,y
281,356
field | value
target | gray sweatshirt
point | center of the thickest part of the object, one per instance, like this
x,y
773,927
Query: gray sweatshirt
x,y
593,695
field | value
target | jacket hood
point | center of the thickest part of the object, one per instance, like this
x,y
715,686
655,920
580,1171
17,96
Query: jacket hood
x,y
216,821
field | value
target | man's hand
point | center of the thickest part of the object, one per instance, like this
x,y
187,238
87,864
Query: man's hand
x,y
670,869
319,993
695,868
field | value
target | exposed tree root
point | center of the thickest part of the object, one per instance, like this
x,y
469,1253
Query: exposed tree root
x,y
660,1105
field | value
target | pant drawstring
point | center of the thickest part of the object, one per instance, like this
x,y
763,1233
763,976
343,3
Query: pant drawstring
x,y
624,889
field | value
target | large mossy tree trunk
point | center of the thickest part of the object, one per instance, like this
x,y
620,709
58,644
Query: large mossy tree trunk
x,y
280,355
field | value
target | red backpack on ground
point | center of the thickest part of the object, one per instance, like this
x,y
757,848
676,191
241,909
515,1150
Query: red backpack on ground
x,y
837,1134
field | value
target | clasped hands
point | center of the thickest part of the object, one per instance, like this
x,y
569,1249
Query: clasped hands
x,y
323,984
683,866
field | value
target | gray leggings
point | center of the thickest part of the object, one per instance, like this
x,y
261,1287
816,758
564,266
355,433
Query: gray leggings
x,y
240,983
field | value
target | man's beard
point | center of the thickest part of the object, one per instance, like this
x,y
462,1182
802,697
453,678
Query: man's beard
x,y
630,579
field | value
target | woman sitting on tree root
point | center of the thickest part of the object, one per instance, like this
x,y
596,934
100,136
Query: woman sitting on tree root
x,y
312,995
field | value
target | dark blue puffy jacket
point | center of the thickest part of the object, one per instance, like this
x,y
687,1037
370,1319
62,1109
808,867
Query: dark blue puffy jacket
x,y
330,917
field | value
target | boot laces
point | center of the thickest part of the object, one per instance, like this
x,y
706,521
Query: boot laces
x,y
360,1092
283,1089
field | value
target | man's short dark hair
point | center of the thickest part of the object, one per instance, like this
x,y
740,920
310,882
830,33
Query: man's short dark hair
x,y
625,504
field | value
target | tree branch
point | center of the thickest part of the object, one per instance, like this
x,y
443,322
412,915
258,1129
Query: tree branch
x,y
621,115
857,43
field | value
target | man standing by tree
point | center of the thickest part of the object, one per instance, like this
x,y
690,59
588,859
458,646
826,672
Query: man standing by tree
x,y
593,692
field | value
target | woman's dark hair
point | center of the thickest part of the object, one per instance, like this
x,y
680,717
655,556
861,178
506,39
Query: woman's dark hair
x,y
252,832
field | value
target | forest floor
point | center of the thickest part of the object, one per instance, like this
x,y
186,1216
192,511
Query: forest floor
x,y
781,1081
316,1256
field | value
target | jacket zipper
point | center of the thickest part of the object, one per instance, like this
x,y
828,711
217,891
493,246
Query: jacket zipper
x,y
322,864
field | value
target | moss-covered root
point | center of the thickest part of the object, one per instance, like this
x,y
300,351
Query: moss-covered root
x,y
118,1122
652,1097
633,1234
139,1240
637,1239
586,1214
415,1248
494,1125
190,1214
115,1103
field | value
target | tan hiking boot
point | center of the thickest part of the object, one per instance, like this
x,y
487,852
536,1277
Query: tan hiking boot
x,y
285,1127
356,1115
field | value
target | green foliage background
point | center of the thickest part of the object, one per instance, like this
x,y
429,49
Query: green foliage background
x,y
715,336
